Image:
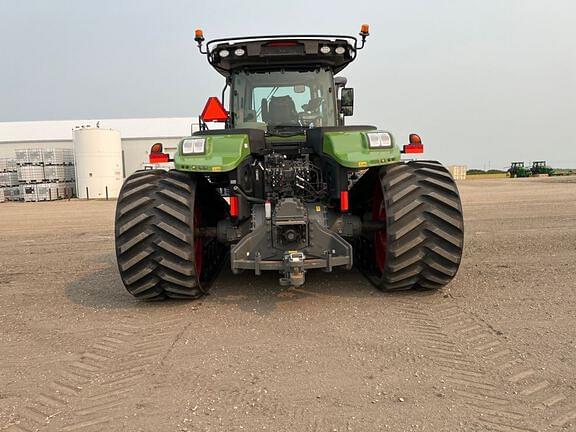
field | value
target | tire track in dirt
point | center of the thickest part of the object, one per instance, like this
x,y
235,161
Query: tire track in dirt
x,y
94,390
503,386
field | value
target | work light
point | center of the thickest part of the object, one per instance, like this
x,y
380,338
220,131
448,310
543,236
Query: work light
x,y
224,53
239,52
340,50
325,49
193,146
379,140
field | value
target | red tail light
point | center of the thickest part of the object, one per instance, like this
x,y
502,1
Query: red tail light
x,y
282,44
413,148
159,157
234,211
344,201
415,145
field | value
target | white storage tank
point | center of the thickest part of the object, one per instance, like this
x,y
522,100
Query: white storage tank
x,y
98,156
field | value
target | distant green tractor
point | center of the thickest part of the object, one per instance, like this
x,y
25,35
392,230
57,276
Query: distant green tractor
x,y
285,185
517,169
540,168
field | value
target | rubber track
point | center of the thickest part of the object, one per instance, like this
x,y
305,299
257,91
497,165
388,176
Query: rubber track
x,y
425,227
155,234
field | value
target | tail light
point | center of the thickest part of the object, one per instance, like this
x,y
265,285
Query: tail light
x,y
234,210
415,145
282,44
344,201
157,155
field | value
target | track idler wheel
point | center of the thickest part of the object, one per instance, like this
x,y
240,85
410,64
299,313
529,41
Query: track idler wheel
x,y
420,239
160,247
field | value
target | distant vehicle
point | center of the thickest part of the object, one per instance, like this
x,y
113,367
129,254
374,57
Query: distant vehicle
x,y
540,168
517,169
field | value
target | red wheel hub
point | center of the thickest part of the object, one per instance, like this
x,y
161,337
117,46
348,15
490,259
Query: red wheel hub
x,y
198,243
379,215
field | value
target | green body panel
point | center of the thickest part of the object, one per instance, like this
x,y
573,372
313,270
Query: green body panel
x,y
222,153
274,139
351,150
225,152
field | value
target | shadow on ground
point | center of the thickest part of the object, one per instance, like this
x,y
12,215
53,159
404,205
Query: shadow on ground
x,y
103,289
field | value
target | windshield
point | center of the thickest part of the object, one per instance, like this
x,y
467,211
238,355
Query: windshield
x,y
283,100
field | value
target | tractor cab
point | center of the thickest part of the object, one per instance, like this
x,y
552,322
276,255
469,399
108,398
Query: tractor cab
x,y
284,85
517,169
541,168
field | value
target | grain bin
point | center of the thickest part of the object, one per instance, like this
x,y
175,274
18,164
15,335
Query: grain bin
x,y
98,154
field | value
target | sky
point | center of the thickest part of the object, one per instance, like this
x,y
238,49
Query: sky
x,y
484,82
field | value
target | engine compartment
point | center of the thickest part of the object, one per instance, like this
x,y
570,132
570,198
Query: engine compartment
x,y
296,176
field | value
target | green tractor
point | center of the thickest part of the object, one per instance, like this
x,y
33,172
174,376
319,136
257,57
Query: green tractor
x,y
285,185
540,168
517,169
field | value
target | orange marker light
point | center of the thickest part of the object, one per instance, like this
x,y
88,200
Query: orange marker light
x,y
156,155
199,36
415,145
365,29
156,148
415,139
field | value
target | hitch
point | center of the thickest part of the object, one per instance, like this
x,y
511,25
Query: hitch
x,y
293,269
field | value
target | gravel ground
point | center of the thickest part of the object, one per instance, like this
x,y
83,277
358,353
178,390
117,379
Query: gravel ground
x,y
495,350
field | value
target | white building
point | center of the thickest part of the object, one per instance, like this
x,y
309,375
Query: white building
x,y
138,135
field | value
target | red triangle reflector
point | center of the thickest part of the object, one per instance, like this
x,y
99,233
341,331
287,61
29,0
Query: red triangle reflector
x,y
214,111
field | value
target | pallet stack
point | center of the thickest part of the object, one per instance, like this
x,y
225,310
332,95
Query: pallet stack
x,y
46,174
9,186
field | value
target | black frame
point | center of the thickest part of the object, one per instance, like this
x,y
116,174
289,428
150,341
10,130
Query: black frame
x,y
351,40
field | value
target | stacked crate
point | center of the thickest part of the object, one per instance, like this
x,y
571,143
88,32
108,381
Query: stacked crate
x,y
46,174
9,186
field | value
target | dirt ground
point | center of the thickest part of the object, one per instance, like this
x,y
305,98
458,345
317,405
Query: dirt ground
x,y
495,350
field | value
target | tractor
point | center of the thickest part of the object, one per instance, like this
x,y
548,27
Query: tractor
x,y
278,181
517,169
539,168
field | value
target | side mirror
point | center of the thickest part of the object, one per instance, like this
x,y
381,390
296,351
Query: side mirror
x,y
347,101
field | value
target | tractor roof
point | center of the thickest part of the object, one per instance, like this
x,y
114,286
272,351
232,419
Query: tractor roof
x,y
274,52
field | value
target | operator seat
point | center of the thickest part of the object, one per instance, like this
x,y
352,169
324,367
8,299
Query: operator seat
x,y
282,110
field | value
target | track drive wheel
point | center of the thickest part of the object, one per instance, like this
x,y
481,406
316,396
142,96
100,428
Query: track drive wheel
x,y
420,241
161,247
